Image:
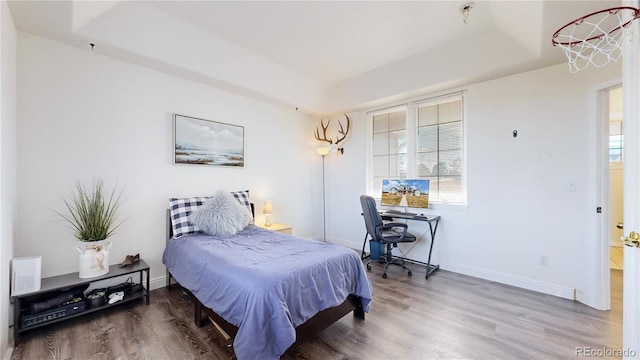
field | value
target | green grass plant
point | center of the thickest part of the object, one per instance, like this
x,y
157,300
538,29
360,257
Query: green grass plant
x,y
92,216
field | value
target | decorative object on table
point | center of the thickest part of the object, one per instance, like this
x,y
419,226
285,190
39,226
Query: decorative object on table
x,y
96,297
93,217
401,192
94,259
116,296
130,260
267,210
633,240
333,146
26,275
206,142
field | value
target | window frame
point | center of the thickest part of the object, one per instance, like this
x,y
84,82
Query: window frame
x,y
371,138
411,117
620,139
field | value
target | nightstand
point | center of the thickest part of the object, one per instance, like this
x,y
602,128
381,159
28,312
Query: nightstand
x,y
285,229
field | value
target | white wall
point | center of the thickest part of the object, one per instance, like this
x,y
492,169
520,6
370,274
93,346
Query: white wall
x,y
82,115
519,207
7,164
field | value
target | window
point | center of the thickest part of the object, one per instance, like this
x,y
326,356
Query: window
x,y
439,149
616,140
389,147
421,140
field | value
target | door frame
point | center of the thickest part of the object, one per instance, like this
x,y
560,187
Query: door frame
x,y
600,97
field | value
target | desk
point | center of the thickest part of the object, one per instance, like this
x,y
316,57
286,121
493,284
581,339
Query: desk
x,y
433,222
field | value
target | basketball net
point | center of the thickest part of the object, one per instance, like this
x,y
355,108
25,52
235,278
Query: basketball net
x,y
596,38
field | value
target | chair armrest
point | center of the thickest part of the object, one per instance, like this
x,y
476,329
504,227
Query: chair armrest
x,y
390,226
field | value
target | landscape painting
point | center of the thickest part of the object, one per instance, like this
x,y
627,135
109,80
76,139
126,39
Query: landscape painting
x,y
206,142
410,193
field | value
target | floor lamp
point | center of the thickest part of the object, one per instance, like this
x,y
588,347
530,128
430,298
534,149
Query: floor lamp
x,y
323,151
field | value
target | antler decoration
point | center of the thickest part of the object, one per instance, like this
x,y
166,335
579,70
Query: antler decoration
x,y
343,133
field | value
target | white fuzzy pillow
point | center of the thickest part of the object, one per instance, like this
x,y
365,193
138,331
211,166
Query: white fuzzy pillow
x,y
222,214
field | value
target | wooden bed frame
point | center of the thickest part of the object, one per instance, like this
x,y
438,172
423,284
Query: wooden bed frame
x,y
305,331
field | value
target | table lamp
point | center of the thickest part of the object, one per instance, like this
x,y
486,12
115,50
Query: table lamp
x,y
267,209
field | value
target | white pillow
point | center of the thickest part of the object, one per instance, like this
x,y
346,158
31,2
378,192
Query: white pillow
x,y
222,214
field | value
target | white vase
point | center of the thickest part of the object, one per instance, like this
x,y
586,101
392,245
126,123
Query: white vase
x,y
93,259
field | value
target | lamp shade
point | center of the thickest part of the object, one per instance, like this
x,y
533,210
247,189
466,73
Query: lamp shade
x,y
268,208
323,150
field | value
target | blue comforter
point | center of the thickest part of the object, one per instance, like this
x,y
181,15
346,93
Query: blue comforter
x,y
266,283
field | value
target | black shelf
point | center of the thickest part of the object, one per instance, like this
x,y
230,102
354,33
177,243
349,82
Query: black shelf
x,y
67,281
71,280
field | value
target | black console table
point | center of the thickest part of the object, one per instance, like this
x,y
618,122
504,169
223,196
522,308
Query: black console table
x,y
58,283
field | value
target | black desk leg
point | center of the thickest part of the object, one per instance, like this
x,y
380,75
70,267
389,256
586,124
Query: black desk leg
x,y
432,268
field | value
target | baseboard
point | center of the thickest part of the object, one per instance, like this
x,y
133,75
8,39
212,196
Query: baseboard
x,y
158,282
507,279
343,242
529,284
7,355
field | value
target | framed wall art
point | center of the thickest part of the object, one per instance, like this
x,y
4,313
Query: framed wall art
x,y
207,142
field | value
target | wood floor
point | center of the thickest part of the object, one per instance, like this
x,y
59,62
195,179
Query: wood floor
x,y
616,257
448,316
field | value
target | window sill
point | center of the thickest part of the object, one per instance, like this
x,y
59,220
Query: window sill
x,y
448,205
432,206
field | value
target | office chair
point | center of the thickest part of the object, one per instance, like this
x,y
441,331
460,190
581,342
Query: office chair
x,y
389,234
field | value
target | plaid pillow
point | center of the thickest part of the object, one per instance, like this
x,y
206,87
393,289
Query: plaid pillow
x,y
243,198
180,210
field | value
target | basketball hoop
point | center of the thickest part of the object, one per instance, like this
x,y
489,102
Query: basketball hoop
x,y
595,38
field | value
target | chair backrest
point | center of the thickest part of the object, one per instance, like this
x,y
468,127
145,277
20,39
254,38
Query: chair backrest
x,y
372,218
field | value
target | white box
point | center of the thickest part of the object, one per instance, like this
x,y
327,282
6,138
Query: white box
x,y
26,274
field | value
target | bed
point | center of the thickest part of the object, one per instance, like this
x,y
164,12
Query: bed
x,y
268,290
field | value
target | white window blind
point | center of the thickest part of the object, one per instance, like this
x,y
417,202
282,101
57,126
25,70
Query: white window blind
x,y
389,147
439,153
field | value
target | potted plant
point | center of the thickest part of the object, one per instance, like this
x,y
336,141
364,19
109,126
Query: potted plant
x,y
92,214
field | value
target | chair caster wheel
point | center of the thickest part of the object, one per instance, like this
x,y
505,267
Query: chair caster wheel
x,y
409,273
384,276
369,267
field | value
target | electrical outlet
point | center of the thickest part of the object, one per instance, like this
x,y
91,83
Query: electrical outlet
x,y
543,260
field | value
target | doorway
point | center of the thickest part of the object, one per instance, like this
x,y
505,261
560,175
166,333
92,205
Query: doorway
x,y
616,171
